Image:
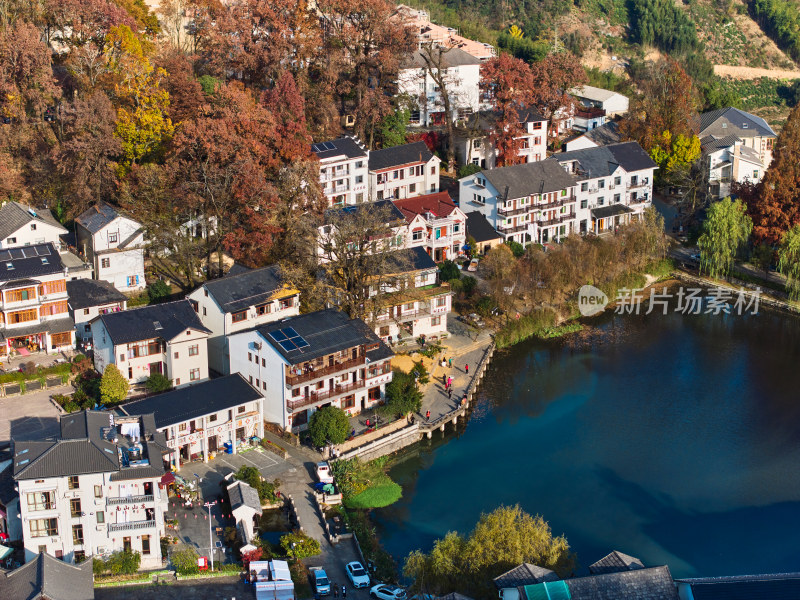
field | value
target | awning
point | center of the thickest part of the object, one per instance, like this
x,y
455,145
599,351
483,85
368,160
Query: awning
x,y
418,229
167,479
614,210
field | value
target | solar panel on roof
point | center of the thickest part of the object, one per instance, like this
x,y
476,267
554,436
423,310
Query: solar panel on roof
x,y
278,336
300,342
43,250
287,345
16,253
290,332
5,255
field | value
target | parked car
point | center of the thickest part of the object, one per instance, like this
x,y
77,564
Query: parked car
x,y
322,584
357,574
324,473
473,265
387,591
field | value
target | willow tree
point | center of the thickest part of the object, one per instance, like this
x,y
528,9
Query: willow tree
x,y
725,231
789,261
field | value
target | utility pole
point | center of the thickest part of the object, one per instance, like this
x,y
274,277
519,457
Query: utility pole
x,y
208,505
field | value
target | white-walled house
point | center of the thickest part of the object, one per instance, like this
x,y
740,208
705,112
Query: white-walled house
x,y
754,132
238,302
95,489
23,225
587,118
436,224
312,360
114,244
34,311
89,298
473,143
419,22
605,134
460,74
343,171
200,419
613,103
164,338
403,172
529,202
393,219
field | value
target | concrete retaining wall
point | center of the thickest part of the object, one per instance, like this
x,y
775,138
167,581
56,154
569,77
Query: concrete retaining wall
x,y
387,444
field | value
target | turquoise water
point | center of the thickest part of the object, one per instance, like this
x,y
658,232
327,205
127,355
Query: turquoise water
x,y
673,438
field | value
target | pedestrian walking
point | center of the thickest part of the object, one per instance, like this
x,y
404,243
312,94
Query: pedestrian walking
x,y
450,362
367,423
449,393
449,382
335,590
444,380
344,591
466,368
428,415
464,399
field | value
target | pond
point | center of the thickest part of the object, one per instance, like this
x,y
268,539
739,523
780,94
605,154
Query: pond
x,y
673,438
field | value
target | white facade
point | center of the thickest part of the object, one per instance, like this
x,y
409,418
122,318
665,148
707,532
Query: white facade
x,y
734,163
406,180
613,103
481,151
84,316
588,118
435,223
343,172
23,225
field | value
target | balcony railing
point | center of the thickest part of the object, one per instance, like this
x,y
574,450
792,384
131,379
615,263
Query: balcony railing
x,y
512,228
314,397
383,370
639,184
511,212
130,499
292,380
133,525
556,221
556,204
340,188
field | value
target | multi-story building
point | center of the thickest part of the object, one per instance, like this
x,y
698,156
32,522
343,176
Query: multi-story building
x,y
474,145
114,244
420,23
615,184
238,302
343,171
588,117
164,338
22,225
460,73
414,303
312,360
89,298
403,172
34,314
531,202
753,131
95,489
435,223
338,227
198,420
47,578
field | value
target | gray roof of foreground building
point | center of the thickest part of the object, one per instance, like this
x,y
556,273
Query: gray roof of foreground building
x,y
194,401
250,288
344,146
774,586
594,93
524,574
654,583
242,494
87,293
733,121
525,179
602,161
478,227
614,562
36,260
379,206
15,215
46,577
98,216
165,321
325,331
397,156
710,143
450,57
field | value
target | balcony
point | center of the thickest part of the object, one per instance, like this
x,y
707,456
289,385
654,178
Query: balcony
x,y
511,212
314,397
508,229
556,221
383,370
130,500
132,526
638,184
292,380
340,188
563,201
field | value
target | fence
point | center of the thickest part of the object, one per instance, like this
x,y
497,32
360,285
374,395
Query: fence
x,y
18,388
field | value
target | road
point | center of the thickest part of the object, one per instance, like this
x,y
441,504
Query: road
x,y
683,257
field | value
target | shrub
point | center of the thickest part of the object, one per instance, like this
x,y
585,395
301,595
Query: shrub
x,y
468,285
328,425
304,546
484,305
125,562
402,394
113,386
157,382
185,561
449,270
251,476
467,170
420,372
158,291
517,249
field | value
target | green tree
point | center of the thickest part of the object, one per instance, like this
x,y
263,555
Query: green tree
x,y
113,386
448,270
394,128
789,261
158,382
158,291
328,425
500,541
299,545
252,477
467,170
402,395
185,561
725,231
762,257
517,249
675,156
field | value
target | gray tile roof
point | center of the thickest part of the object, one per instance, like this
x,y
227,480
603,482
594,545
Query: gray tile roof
x,y
14,216
238,292
325,331
631,156
418,258
450,57
194,401
614,562
237,269
97,217
87,293
710,143
343,146
478,227
529,178
48,578
776,586
383,206
242,494
524,574
397,156
149,322
608,133
29,261
732,121
654,583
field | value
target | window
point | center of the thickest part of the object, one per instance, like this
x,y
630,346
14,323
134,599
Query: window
x,y
240,410
395,174
349,402
33,225
433,170
44,527
80,556
584,203
98,491
126,543
601,184
617,180
263,362
417,236
194,374
204,312
380,194
359,179
584,187
288,303
133,280
178,381
258,383
441,302
112,238
616,197
73,483
194,350
251,379
264,309
295,392
359,198
249,357
384,331
263,385
212,418
105,263
21,316
634,180
77,534
177,355
145,544
412,188
436,321
359,164
456,227
182,427
41,501
75,507
755,174
12,240
239,316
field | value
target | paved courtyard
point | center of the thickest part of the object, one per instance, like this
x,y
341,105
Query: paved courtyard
x,y
29,416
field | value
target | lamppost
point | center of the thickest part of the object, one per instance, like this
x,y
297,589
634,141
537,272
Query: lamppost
x,y
208,505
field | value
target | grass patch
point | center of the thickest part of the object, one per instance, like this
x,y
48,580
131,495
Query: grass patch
x,y
525,327
366,484
660,269
554,332
377,495
62,370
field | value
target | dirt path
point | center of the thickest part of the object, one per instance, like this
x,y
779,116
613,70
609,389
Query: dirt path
x,y
754,73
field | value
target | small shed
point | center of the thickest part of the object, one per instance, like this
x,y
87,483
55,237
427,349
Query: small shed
x,y
245,506
273,580
485,236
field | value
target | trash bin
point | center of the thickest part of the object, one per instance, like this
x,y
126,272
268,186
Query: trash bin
x,y
228,447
